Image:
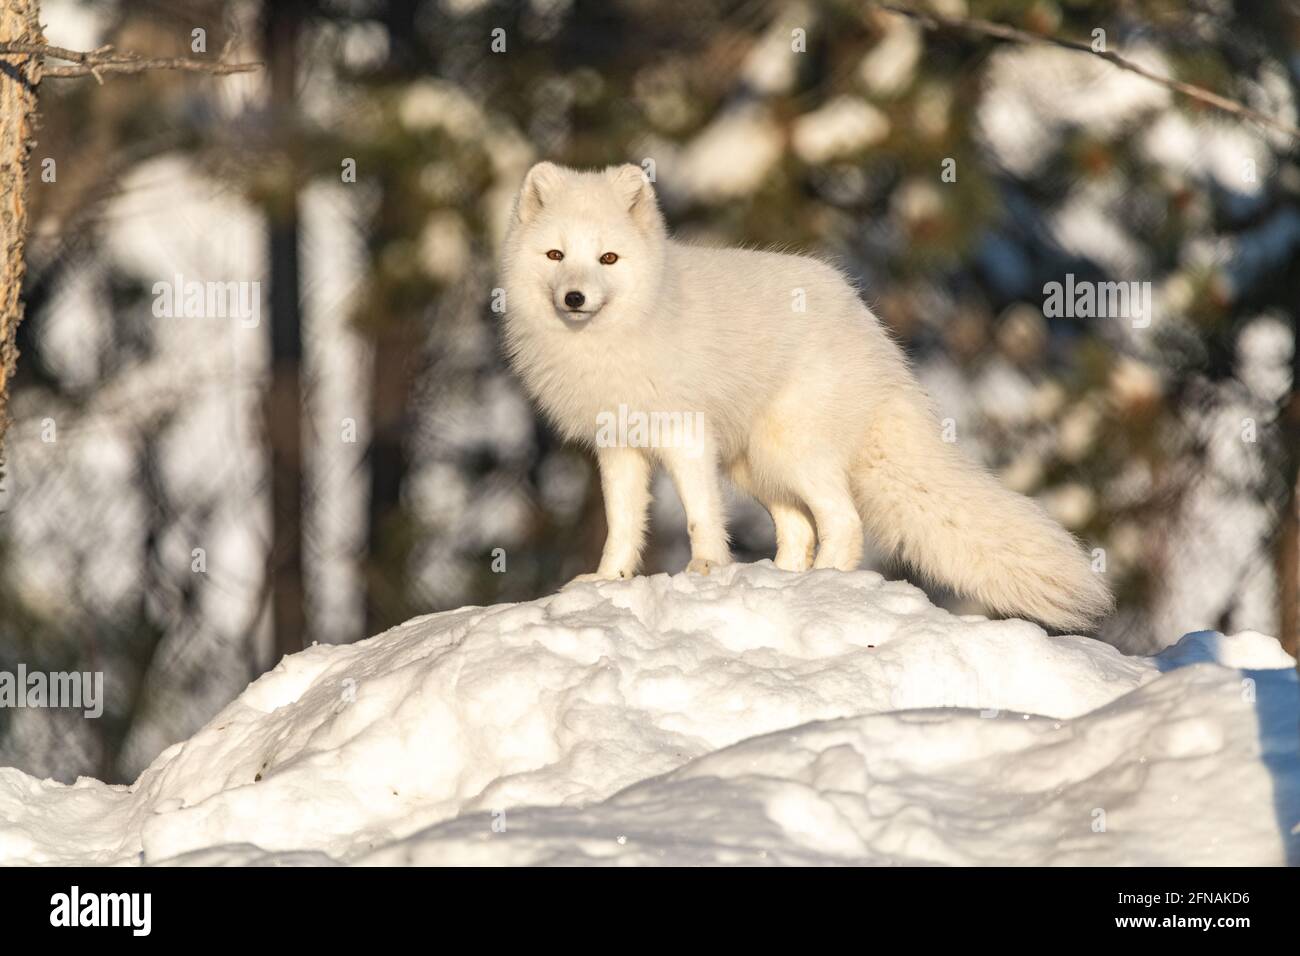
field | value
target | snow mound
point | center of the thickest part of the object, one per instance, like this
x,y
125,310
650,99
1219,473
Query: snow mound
x,y
754,716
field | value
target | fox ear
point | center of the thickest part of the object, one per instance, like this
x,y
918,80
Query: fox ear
x,y
635,187
537,185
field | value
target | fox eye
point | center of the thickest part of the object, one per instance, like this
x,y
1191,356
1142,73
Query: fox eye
x,y
608,259
555,254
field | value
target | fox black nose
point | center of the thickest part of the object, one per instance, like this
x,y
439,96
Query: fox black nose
x,y
574,300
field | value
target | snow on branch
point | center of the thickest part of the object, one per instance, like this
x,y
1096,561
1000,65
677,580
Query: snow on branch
x,y
106,60
1000,31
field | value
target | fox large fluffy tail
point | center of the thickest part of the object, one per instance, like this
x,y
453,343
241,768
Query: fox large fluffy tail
x,y
958,525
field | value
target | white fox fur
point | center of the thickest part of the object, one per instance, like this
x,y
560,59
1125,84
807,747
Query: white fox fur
x,y
815,412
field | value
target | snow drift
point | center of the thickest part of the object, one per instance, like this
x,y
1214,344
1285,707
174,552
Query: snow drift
x,y
754,716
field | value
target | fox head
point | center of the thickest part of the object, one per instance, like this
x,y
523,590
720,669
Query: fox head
x,y
583,247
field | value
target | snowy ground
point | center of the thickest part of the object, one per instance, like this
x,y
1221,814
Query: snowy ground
x,y
751,717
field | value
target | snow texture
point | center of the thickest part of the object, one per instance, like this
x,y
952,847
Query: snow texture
x,y
750,717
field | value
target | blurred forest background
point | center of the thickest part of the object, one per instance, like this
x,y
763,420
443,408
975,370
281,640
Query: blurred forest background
x,y
185,499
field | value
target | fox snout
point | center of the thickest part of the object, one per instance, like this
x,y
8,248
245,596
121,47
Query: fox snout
x,y
576,302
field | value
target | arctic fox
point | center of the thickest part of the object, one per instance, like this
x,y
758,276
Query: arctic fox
x,y
791,386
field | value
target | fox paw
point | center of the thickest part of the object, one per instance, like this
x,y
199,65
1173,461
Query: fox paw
x,y
790,561
703,565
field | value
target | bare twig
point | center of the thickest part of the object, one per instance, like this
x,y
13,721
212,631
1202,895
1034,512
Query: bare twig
x,y
1000,31
106,60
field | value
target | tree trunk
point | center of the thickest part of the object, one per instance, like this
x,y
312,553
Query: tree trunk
x,y
284,403
1288,550
1288,535
396,347
1288,573
397,335
19,76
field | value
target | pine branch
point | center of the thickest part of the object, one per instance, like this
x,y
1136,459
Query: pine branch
x,y
106,60
1000,31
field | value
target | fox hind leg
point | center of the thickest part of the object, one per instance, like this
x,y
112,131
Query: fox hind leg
x,y
839,526
796,538
796,535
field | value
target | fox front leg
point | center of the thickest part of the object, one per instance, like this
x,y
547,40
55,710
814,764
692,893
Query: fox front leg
x,y
694,470
625,484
